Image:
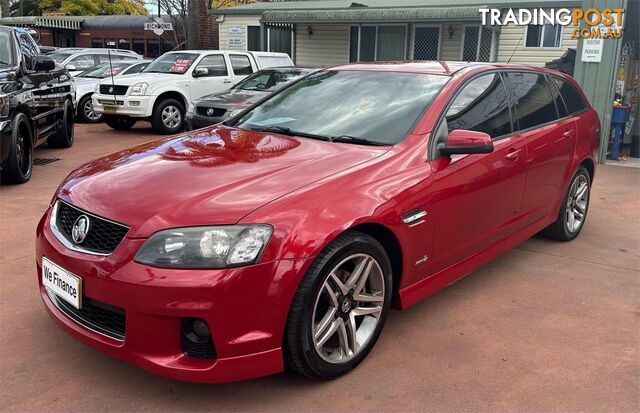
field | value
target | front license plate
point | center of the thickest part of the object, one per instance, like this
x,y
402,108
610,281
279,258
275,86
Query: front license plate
x,y
110,109
63,284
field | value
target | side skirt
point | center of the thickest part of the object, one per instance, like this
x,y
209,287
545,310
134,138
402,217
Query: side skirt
x,y
424,288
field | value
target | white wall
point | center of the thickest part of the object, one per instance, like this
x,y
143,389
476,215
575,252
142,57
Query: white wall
x,y
236,21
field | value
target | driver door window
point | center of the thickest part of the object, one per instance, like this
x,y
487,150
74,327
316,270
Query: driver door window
x,y
82,62
215,64
481,106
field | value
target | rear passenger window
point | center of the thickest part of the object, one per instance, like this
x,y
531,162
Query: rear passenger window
x,y
82,62
572,97
214,64
240,64
532,99
562,109
481,106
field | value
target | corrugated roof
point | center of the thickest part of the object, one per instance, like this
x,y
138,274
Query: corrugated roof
x,y
261,7
371,15
119,22
82,22
58,22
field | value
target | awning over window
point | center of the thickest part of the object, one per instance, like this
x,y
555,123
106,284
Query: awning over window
x,y
368,15
56,22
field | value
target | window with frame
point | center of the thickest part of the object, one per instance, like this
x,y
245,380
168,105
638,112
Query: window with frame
x,y
82,62
371,43
240,64
571,96
532,99
477,44
546,35
97,43
253,39
481,106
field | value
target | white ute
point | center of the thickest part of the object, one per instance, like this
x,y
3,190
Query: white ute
x,y
162,92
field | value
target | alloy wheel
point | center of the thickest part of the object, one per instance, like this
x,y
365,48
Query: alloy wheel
x,y
23,153
347,308
89,112
577,202
171,117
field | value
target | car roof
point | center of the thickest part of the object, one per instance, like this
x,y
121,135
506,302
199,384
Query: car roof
x,y
438,67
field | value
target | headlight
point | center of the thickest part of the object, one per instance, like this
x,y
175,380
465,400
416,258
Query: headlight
x,y
205,247
97,88
138,89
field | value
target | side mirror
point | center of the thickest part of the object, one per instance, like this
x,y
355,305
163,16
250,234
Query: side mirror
x,y
42,63
201,72
70,68
466,142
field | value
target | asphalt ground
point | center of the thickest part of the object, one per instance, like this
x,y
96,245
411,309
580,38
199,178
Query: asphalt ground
x,y
546,327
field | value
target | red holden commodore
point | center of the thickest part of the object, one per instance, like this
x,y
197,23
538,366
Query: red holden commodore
x,y
283,236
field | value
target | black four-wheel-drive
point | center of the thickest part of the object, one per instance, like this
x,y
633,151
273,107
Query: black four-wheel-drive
x,y
36,104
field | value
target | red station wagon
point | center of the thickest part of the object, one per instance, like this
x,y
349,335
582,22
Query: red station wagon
x,y
284,236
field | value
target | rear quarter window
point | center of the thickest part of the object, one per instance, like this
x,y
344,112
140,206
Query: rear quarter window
x,y
571,96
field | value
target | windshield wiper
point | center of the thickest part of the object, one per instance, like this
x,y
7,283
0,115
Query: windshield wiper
x,y
357,140
288,131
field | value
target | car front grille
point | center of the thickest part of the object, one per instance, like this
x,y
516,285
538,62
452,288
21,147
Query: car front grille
x,y
216,112
113,89
103,236
99,317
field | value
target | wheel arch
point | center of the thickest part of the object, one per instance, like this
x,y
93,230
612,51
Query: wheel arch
x,y
30,123
590,166
170,94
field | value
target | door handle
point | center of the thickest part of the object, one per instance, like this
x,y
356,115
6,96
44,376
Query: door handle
x,y
226,81
512,155
569,133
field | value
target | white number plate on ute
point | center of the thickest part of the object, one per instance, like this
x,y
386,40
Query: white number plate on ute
x,y
63,284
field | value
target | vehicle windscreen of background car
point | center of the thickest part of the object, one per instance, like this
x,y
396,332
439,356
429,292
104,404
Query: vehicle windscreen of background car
x,y
58,57
6,49
177,63
379,106
269,80
104,70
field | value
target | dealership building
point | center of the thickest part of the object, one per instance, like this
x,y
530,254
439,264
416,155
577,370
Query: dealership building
x,y
320,33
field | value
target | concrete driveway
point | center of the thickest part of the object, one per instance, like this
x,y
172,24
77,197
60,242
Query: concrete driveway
x,y
547,327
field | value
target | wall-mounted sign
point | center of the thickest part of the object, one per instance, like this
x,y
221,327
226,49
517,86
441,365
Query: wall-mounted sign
x,y
235,42
592,50
235,30
158,27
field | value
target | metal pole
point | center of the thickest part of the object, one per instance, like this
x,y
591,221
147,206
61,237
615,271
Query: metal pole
x,y
159,36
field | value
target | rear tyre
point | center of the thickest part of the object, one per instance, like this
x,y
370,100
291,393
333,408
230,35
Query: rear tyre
x,y
340,307
63,137
119,122
573,212
19,164
86,113
168,117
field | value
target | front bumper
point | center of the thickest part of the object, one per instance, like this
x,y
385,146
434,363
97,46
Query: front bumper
x,y
246,309
123,105
195,121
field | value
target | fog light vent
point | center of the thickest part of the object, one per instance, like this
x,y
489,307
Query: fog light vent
x,y
196,339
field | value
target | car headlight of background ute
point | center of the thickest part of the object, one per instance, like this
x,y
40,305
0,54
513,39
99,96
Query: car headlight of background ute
x,y
139,89
205,247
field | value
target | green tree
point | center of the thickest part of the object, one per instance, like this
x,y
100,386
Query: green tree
x,y
93,7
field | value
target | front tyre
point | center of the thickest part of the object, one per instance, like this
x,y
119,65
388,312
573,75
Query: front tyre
x,y
119,122
168,117
573,212
340,307
86,113
19,163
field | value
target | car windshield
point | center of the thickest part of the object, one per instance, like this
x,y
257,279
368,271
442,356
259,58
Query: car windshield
x,y
7,57
58,57
381,107
103,70
177,63
269,80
